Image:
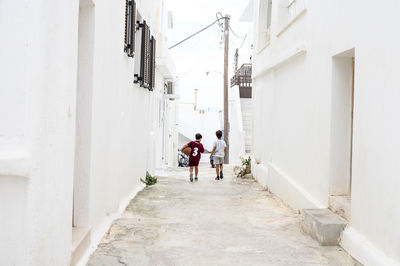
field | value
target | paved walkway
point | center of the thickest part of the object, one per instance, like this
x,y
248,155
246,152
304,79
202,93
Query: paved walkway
x,y
228,222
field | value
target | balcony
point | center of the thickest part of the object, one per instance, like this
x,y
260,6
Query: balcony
x,y
242,78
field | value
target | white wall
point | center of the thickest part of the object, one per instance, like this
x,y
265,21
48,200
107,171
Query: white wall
x,y
158,122
72,123
192,122
38,62
294,116
237,135
171,137
127,119
246,106
285,121
164,131
122,116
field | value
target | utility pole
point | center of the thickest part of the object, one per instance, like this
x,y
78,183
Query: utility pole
x,y
195,99
226,87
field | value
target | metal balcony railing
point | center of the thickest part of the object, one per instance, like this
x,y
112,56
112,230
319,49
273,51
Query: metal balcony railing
x,y
242,77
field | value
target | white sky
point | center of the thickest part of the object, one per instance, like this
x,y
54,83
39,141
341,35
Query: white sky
x,y
204,52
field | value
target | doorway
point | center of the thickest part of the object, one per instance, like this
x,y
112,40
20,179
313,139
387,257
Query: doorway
x,y
342,123
83,131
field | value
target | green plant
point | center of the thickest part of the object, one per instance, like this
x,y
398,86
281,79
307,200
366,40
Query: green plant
x,y
246,167
150,180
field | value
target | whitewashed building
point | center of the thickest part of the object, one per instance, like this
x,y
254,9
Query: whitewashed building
x,y
325,105
76,132
240,92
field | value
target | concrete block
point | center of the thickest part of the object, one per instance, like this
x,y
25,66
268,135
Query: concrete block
x,y
323,225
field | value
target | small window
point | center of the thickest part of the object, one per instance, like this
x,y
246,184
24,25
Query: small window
x,y
264,23
130,27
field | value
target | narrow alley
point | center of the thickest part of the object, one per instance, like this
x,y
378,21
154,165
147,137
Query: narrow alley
x,y
230,222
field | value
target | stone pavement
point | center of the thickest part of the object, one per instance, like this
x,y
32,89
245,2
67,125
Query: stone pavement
x,y
209,222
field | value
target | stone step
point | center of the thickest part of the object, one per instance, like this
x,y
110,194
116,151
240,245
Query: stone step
x,y
246,104
323,225
247,127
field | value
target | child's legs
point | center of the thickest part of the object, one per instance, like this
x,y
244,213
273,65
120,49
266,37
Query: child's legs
x,y
221,167
191,170
217,169
196,170
218,162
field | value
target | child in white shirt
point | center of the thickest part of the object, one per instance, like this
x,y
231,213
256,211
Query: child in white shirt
x,y
219,154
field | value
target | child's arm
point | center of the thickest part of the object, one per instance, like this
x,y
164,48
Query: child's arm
x,y
184,147
212,152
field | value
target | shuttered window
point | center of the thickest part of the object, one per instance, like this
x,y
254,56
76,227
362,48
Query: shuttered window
x,y
146,73
130,27
153,63
145,56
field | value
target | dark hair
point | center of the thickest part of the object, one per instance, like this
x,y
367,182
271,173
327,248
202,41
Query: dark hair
x,y
199,136
219,134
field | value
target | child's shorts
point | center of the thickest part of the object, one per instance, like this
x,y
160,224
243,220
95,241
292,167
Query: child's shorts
x,y
218,160
194,162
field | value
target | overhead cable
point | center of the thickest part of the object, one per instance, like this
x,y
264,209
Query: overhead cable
x,y
194,34
240,37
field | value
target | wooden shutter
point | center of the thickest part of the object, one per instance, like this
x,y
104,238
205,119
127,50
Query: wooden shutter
x,y
147,74
130,25
145,56
133,28
127,27
153,63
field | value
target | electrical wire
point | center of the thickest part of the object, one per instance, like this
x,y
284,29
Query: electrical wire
x,y
219,17
240,37
243,42
194,34
230,27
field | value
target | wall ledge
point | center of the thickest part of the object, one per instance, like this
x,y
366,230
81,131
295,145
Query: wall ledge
x,y
291,22
15,163
283,186
282,59
359,247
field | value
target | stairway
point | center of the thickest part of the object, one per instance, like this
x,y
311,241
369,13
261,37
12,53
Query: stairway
x,y
246,107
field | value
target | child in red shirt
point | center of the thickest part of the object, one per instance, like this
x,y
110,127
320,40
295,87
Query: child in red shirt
x,y
195,155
